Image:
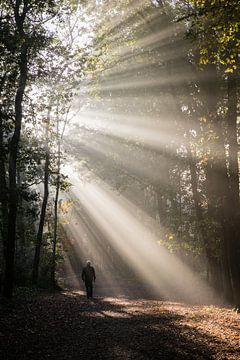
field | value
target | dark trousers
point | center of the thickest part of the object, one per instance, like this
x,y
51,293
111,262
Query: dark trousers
x,y
89,289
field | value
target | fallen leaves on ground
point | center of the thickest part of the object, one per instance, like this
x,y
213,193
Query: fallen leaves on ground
x,y
68,326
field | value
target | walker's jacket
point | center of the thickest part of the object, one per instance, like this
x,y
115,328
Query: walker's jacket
x,y
88,274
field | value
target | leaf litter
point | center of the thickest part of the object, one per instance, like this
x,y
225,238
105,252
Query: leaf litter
x,y
68,326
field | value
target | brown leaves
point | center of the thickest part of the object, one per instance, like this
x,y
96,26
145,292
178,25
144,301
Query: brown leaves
x,y
67,326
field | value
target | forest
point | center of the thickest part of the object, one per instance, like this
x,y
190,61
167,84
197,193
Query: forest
x,y
119,145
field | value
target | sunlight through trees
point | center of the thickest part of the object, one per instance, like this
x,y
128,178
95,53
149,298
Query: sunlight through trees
x,y
119,142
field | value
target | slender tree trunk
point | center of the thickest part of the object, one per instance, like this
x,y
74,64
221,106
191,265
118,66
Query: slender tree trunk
x,y
225,263
3,198
36,261
20,222
213,267
161,207
180,227
53,268
163,195
3,181
223,185
13,154
216,170
55,230
232,138
232,204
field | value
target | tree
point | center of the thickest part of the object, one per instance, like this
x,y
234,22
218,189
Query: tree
x,y
215,28
25,38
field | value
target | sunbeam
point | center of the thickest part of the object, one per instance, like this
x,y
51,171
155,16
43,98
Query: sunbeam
x,y
121,224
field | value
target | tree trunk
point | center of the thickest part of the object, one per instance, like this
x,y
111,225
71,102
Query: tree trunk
x,y
20,223
13,154
232,139
3,181
216,171
3,197
225,191
53,268
232,204
213,268
38,245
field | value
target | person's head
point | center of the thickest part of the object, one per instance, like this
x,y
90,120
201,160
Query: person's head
x,y
88,262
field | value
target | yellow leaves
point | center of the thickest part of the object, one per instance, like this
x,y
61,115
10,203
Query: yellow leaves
x,y
167,242
204,161
131,43
218,31
204,61
65,206
65,222
203,119
203,51
229,70
207,309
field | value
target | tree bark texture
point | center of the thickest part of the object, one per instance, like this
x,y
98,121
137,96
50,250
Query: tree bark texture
x,y
3,182
232,204
53,268
36,261
13,152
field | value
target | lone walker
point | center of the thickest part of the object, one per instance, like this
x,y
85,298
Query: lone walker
x,y
88,276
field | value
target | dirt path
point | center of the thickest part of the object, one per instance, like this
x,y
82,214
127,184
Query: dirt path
x,y
67,326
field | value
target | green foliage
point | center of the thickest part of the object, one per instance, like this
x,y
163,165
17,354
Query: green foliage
x,y
216,26
35,27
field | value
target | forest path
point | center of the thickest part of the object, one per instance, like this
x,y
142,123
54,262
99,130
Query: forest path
x,y
68,326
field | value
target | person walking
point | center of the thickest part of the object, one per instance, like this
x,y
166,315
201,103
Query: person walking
x,y
88,277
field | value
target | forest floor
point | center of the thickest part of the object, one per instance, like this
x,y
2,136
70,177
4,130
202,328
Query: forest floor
x,y
68,326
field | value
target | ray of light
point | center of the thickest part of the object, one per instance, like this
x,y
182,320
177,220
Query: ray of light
x,y
117,219
107,135
154,136
113,154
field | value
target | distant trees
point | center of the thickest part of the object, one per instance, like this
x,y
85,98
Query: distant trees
x,y
215,28
23,37
31,79
173,69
